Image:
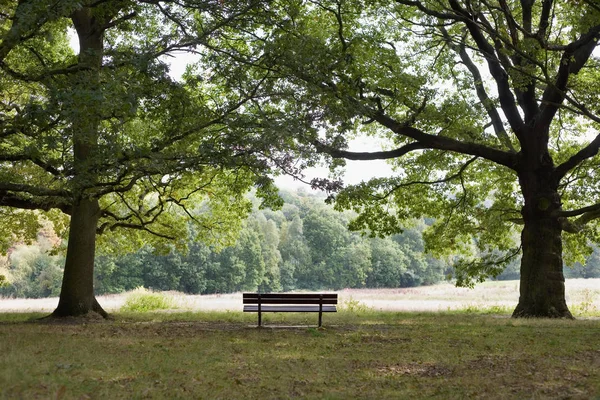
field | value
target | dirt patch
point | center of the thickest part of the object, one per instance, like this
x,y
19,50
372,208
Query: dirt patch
x,y
428,370
90,317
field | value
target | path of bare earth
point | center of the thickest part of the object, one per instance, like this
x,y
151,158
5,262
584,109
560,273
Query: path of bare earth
x,y
439,297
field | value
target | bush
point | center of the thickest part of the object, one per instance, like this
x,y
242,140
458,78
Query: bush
x,y
141,300
354,306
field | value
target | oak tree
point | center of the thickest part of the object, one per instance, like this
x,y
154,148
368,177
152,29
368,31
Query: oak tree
x,y
108,138
488,110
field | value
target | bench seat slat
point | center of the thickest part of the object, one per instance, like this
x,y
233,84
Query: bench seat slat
x,y
289,300
253,294
288,308
292,295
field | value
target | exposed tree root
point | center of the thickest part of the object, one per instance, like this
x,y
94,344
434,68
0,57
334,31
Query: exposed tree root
x,y
549,312
82,312
96,307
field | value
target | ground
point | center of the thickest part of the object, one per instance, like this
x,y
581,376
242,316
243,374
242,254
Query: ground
x,y
361,353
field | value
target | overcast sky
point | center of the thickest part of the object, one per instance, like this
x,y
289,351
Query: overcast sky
x,y
355,171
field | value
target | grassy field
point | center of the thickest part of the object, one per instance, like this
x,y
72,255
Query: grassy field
x,y
583,298
464,346
359,354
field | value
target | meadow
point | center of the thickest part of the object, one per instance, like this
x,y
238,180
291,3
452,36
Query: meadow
x,y
500,297
475,351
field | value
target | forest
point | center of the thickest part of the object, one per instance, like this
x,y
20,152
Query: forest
x,y
306,245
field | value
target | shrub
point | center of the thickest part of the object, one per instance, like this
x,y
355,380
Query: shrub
x,y
354,306
142,300
31,271
587,306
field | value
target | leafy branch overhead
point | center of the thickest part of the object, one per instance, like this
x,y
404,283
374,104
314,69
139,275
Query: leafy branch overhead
x,y
154,131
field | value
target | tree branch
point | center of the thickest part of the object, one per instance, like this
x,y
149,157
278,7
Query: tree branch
x,y
458,174
444,143
544,20
481,92
573,59
586,214
6,187
8,199
588,151
144,228
117,21
366,156
519,61
579,211
44,75
500,76
433,13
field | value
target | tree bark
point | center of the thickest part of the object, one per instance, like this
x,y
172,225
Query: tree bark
x,y
77,291
542,286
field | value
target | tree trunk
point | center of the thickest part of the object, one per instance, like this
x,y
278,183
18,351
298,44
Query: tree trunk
x,y
77,292
542,287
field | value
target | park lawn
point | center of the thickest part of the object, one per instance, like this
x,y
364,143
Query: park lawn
x,y
363,354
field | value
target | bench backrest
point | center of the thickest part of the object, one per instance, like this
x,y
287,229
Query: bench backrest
x,y
290,298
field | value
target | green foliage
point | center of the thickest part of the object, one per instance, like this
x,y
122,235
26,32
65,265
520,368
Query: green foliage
x,y
274,85
354,306
32,271
309,248
111,126
141,300
389,264
483,310
17,225
275,250
589,269
587,307
294,251
472,100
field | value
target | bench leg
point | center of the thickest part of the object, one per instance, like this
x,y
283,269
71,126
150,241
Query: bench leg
x,y
259,318
320,319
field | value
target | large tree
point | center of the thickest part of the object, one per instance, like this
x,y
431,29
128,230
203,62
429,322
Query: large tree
x,y
108,138
488,110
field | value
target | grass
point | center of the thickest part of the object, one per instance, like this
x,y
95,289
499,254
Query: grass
x,y
359,354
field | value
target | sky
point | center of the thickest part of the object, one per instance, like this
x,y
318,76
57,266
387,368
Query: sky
x,y
355,171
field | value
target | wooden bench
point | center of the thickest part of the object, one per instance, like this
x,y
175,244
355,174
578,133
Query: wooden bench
x,y
290,302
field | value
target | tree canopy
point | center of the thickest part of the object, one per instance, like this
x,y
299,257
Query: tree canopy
x,y
108,138
489,110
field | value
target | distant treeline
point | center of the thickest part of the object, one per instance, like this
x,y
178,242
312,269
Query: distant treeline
x,y
305,245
